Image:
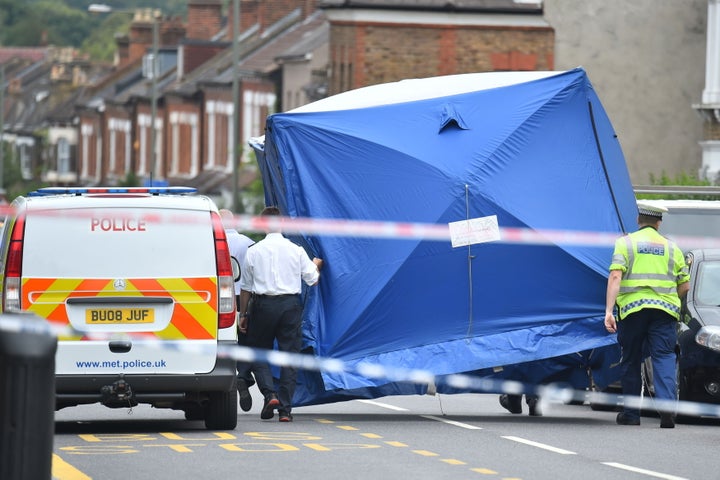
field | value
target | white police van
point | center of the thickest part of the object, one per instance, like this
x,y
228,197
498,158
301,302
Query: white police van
x,y
689,222
139,283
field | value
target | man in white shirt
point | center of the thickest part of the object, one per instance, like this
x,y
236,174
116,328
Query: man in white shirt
x,y
273,272
238,245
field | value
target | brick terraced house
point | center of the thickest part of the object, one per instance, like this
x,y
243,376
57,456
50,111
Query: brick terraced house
x,y
292,52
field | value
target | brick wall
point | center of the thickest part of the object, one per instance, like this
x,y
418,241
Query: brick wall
x,y
368,54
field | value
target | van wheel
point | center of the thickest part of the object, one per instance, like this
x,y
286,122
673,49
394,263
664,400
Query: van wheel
x,y
221,411
194,412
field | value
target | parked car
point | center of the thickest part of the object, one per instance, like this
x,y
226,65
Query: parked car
x,y
699,333
140,283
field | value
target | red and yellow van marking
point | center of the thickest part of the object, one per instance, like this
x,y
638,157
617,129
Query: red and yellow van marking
x,y
195,301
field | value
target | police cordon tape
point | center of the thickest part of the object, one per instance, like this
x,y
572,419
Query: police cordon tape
x,y
549,393
409,231
437,232
305,226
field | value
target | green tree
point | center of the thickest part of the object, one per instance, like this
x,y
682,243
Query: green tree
x,y
130,180
253,195
38,23
100,44
19,25
63,26
67,23
13,182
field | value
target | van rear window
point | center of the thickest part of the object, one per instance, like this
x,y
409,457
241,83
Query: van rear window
x,y
691,222
118,242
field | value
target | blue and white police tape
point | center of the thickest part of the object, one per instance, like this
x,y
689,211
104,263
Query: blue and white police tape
x,y
550,393
399,230
436,232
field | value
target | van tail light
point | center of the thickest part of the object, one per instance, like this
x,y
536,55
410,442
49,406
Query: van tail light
x,y
13,268
226,283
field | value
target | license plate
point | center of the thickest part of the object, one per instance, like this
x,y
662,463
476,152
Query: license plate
x,y
97,316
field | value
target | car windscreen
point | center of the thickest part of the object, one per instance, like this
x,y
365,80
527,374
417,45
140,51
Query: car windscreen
x,y
117,243
707,290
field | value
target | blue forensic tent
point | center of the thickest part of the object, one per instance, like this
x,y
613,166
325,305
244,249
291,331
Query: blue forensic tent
x,y
536,149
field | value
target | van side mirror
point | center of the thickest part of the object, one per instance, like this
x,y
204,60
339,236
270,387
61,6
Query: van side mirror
x,y
235,268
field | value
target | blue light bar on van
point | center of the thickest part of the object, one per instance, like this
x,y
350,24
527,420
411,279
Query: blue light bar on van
x,y
42,192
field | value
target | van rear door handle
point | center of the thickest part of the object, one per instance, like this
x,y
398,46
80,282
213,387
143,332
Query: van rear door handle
x,y
117,300
120,346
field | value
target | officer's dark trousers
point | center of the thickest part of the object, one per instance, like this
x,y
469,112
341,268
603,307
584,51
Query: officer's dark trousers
x,y
244,369
650,331
276,318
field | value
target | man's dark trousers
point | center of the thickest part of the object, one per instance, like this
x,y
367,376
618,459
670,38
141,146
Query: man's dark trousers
x,y
276,318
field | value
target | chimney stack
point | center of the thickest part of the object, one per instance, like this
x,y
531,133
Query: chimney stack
x,y
204,19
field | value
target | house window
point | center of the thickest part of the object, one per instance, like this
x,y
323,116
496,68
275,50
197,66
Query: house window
x,y
63,156
147,66
25,162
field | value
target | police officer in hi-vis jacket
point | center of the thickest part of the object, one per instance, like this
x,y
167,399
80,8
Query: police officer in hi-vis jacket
x,y
648,277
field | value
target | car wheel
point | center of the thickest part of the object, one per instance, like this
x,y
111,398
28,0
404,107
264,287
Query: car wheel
x,y
646,374
614,389
221,413
682,394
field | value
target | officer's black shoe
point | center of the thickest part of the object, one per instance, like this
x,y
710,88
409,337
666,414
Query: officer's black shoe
x,y
245,397
268,410
667,420
625,419
533,403
511,403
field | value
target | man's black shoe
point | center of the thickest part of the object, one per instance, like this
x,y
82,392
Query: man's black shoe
x,y
625,419
511,403
533,403
271,403
666,420
245,397
285,417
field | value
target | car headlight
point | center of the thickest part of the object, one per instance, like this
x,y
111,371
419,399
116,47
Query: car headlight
x,y
709,337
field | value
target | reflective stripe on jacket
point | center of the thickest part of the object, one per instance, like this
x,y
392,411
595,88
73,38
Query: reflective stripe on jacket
x,y
652,267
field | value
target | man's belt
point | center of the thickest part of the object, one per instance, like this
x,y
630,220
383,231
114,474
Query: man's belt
x,y
269,295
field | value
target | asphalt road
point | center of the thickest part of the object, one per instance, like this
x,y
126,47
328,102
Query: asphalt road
x,y
433,437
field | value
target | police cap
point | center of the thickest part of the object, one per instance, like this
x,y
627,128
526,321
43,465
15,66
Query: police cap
x,y
651,210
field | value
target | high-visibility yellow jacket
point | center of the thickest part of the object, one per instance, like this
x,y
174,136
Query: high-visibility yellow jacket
x,y
652,267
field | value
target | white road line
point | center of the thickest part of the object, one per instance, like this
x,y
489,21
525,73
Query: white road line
x,y
452,422
540,445
550,448
384,405
643,471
